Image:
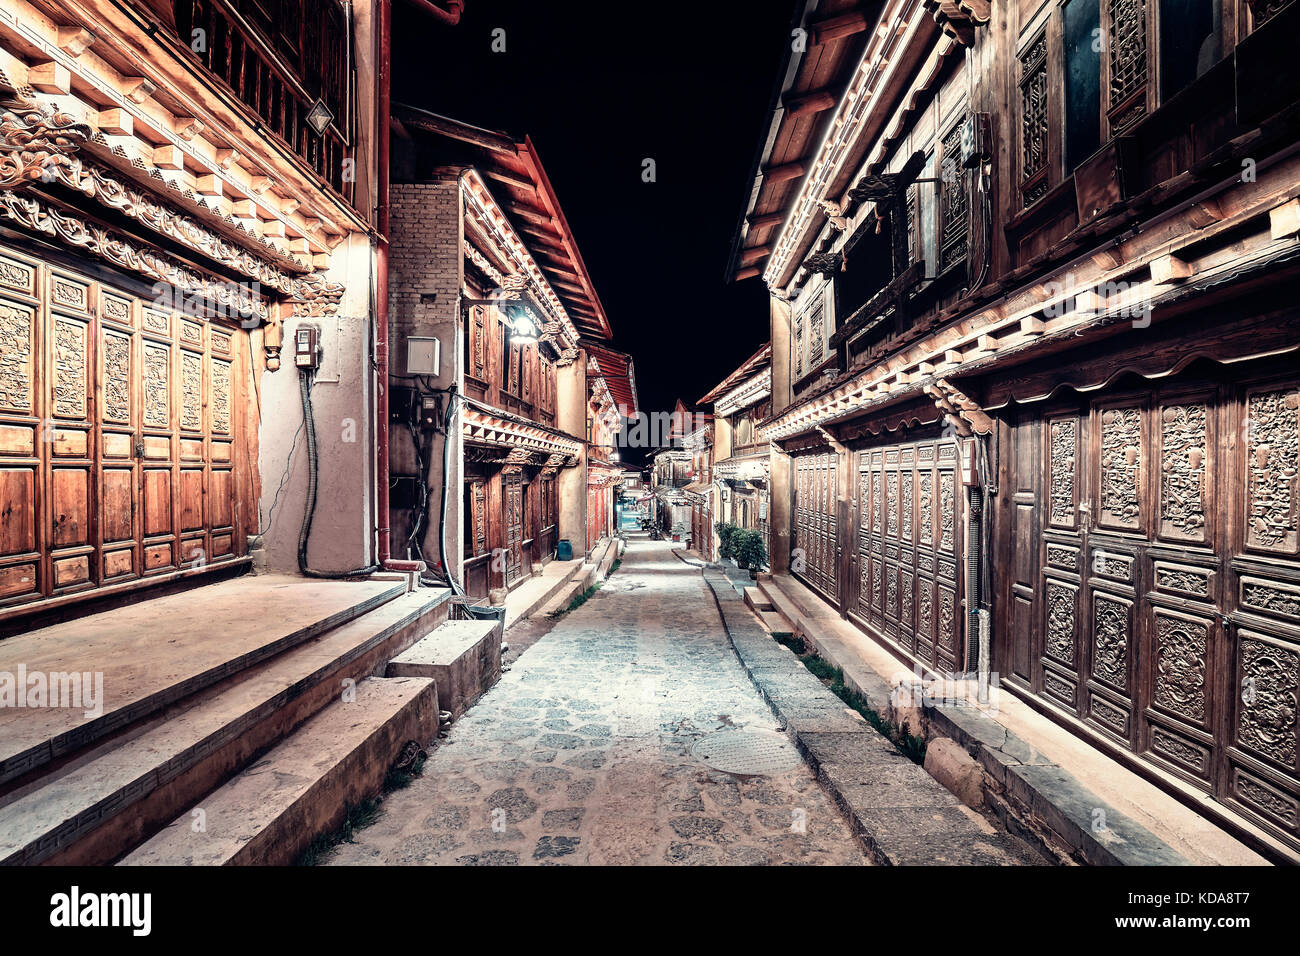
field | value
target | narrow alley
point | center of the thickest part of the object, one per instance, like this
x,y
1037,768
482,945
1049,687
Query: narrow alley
x,y
587,750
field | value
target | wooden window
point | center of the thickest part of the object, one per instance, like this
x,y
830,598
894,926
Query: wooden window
x,y
1126,62
1082,21
1189,42
476,344
475,519
1034,170
954,201
810,321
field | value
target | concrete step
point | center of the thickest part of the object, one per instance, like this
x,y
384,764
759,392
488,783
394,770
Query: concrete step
x,y
213,633
94,809
757,600
463,657
776,624
270,813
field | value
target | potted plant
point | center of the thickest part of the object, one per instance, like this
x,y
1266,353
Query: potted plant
x,y
750,552
725,532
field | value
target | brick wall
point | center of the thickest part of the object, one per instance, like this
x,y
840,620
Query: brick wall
x,y
424,267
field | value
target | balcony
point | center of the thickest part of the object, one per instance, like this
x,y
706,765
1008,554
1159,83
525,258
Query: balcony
x,y
279,57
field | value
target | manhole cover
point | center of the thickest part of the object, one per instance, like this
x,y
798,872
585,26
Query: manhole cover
x,y
748,752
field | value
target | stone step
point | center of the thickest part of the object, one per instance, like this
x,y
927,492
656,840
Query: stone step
x,y
463,657
213,633
272,811
92,811
776,624
756,599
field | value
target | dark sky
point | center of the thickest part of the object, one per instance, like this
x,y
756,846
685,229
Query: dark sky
x,y
600,87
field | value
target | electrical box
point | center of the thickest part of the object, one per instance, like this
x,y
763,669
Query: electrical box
x,y
976,140
306,347
423,355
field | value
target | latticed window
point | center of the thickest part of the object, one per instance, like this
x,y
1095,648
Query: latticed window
x,y
1033,121
816,314
1126,60
798,345
954,201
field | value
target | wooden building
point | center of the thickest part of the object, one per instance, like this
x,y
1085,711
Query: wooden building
x,y
169,208
1034,363
485,265
741,465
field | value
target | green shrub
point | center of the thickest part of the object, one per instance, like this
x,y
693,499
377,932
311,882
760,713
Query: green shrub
x,y
726,533
749,549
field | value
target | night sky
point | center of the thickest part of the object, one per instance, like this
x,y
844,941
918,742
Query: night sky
x,y
600,87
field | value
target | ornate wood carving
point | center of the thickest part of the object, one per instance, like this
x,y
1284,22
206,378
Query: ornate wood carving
x,y
1182,645
1126,50
1273,460
156,391
1121,467
191,391
947,511
221,397
1267,714
1183,440
1061,624
1033,121
1064,442
954,202
16,358
1110,641
35,142
69,368
117,378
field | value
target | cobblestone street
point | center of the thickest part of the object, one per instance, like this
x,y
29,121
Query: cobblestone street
x,y
581,754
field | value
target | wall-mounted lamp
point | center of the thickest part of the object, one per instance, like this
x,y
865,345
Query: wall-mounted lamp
x,y
525,327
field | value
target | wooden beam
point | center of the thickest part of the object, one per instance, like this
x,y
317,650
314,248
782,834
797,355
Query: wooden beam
x,y
531,213
748,273
843,25
749,256
509,178
779,174
815,101
767,220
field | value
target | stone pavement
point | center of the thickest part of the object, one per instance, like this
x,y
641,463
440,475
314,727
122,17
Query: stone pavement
x,y
582,753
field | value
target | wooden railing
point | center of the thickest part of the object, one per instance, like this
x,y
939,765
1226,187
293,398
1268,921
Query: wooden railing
x,y
278,57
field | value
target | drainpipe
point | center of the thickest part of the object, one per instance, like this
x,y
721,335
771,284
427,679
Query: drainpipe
x,y
382,110
450,17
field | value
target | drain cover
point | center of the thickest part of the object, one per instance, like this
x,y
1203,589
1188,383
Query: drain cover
x,y
749,752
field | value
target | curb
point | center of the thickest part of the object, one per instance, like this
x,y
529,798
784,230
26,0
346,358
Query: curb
x,y
1034,798
900,815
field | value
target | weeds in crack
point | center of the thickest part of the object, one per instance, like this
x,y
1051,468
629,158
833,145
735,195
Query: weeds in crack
x,y
909,745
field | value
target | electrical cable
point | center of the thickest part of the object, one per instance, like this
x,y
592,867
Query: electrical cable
x,y
309,508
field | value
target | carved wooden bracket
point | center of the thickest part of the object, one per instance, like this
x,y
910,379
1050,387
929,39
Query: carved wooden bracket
x,y
959,409
826,263
34,141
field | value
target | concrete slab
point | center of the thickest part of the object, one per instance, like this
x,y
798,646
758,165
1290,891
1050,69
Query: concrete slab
x,y
271,812
89,812
157,652
463,657
531,596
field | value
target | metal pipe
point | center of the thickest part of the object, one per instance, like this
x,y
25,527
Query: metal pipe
x,y
383,81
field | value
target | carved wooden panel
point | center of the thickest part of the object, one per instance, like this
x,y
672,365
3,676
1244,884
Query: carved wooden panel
x,y
816,523
908,550
1183,469
1121,469
1126,59
1272,437
17,349
1063,451
1034,121
105,473
513,502
1187,566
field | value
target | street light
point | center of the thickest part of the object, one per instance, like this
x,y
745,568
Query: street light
x,y
522,320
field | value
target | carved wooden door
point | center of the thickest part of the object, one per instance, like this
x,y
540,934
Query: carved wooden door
x,y
118,436
513,500
1169,597
909,549
816,557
